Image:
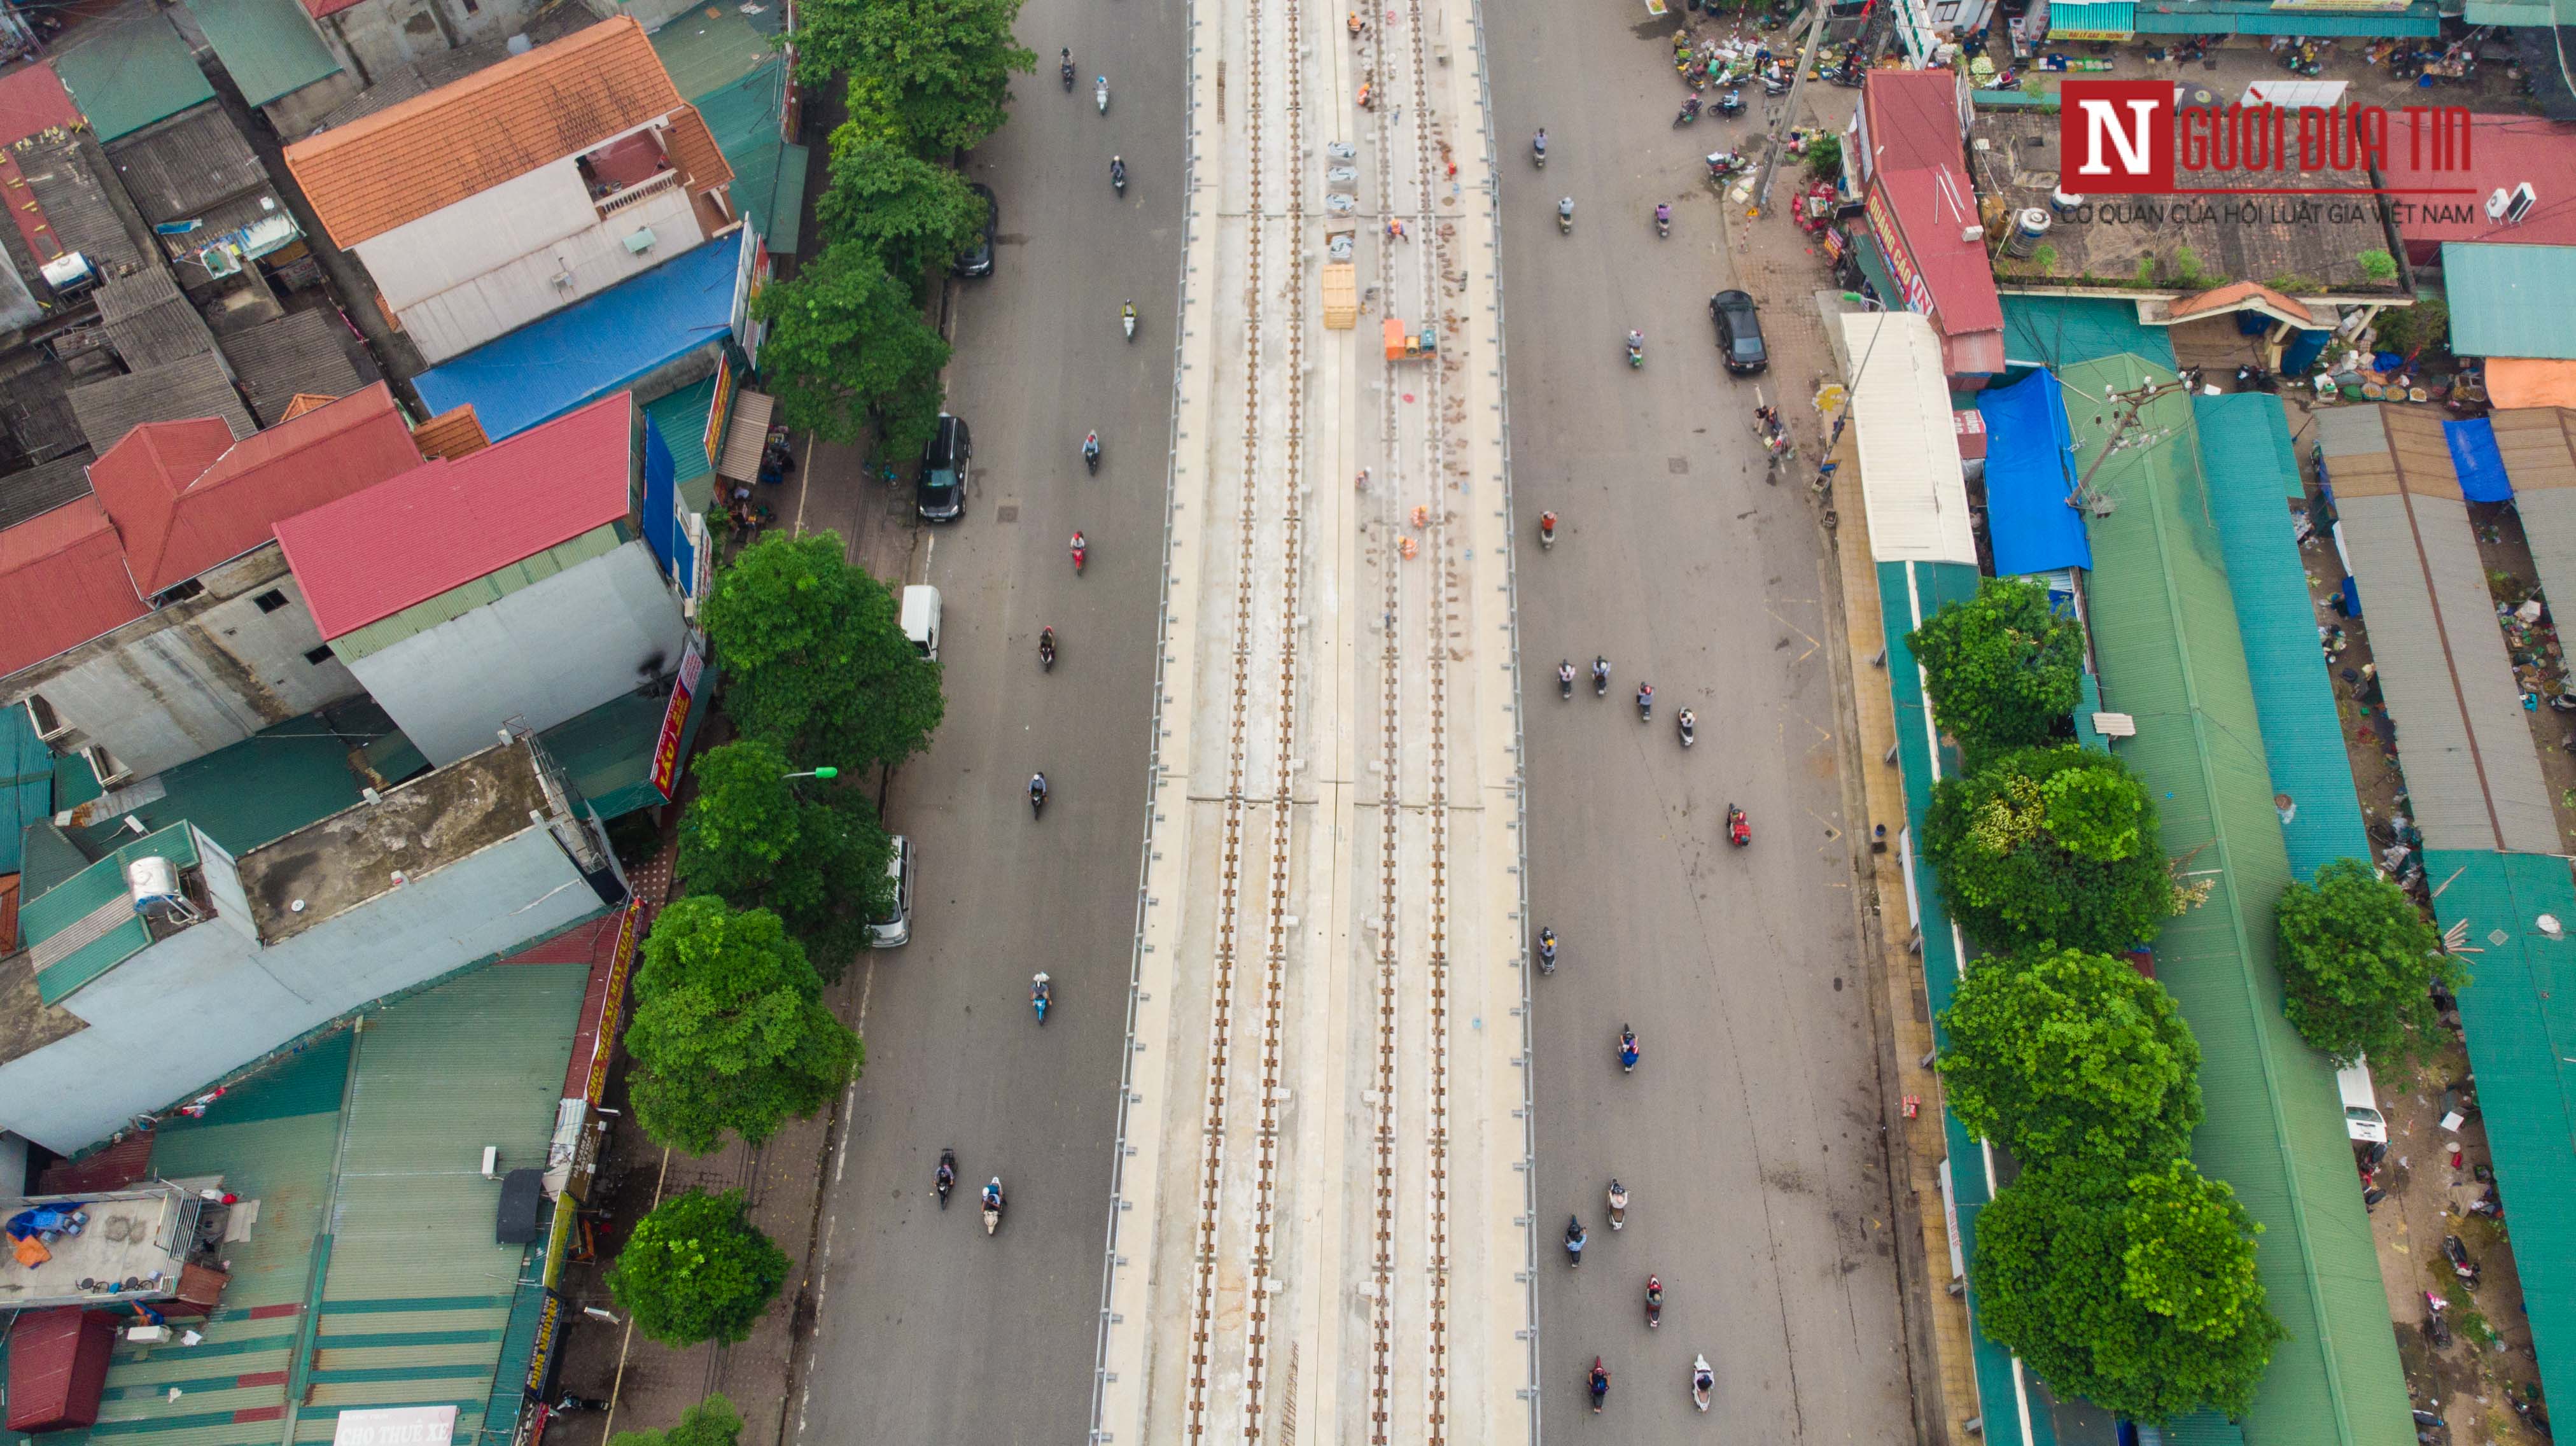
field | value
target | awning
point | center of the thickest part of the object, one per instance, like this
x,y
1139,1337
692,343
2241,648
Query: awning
x,y
746,436
2092,20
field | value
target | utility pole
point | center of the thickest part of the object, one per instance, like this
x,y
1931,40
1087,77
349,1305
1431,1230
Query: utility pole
x,y
2131,404
1788,116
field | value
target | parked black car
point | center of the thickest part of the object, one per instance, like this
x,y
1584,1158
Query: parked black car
x,y
944,463
1739,332
978,260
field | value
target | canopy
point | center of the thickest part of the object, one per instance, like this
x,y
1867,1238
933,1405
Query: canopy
x,y
2029,479
2475,458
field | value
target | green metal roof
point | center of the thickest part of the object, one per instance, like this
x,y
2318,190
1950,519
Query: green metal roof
x,y
26,782
269,47
90,892
2507,12
2165,632
128,76
2059,331
680,419
2261,17
2520,1053
768,184
2510,301
712,46
608,751
2245,449
265,787
2099,19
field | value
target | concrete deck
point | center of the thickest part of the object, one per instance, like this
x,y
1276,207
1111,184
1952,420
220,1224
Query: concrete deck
x,y
1323,1209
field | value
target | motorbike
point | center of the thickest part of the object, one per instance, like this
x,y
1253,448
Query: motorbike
x,y
1127,318
947,1178
1037,795
1100,93
1565,680
1722,164
1091,453
2490,1205
1599,1384
1066,70
1118,175
1040,996
1645,702
1618,1205
1703,1381
1774,85
2436,1329
1689,113
1046,649
2530,1414
1547,962
1689,727
1739,829
993,1205
1565,217
1731,103
1576,1237
1600,677
2461,1266
1636,349
1538,150
1081,553
1654,1302
1663,222
1546,530
1629,1054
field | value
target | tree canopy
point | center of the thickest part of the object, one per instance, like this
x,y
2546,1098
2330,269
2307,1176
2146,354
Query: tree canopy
x,y
814,855
917,216
730,1032
849,347
696,1270
711,1422
2069,1053
2134,1291
2050,846
2004,667
932,76
819,666
2358,963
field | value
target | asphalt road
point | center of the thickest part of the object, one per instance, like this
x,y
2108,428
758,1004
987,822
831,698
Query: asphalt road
x,y
928,1331
1749,1135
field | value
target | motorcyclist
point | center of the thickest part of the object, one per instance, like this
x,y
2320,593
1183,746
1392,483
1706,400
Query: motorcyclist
x,y
947,1177
1546,949
1689,725
1636,343
993,1193
1739,829
1654,1299
1629,1054
1645,696
1663,213
1600,672
1600,1384
1538,143
1565,209
1117,170
1576,1237
1565,673
1703,1381
1039,992
1046,646
1037,788
1065,66
1078,546
1091,447
1547,525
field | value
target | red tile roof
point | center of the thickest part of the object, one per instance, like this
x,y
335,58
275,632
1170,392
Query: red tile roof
x,y
445,523
186,497
432,151
32,100
62,583
2504,151
1913,118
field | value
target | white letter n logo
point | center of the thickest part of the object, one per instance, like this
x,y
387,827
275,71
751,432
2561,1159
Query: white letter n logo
x,y
2100,123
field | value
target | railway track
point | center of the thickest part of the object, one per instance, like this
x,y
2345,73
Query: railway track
x,y
1259,924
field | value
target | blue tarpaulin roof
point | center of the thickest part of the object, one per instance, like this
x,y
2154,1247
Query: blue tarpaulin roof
x,y
2027,481
604,344
2475,458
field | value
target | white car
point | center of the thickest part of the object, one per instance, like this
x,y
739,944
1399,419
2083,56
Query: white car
x,y
895,929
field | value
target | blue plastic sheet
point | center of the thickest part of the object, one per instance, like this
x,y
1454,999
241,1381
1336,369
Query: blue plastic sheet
x,y
2028,480
2475,458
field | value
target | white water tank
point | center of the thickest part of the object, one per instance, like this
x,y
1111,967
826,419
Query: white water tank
x,y
153,880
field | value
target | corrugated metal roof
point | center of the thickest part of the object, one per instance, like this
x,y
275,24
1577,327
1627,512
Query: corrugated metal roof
x,y
67,912
2510,300
269,47
2261,17
302,351
1911,487
600,344
2507,12
26,788
2519,1051
2245,451
2164,629
62,583
149,322
2538,445
2092,19
178,168
2059,331
443,524
128,74
42,488
2471,773
681,421
743,115
68,176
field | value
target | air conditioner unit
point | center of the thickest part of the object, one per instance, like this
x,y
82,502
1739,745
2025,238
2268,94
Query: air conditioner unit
x,y
640,241
563,281
2519,206
2497,200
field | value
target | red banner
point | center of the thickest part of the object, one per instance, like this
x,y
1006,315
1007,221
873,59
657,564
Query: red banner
x,y
675,723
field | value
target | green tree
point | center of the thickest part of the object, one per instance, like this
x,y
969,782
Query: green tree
x,y
711,1422
1825,158
2378,265
848,347
2421,332
730,1031
933,76
2357,966
819,664
2050,846
2069,1053
2005,667
696,1270
2134,1291
815,856
917,216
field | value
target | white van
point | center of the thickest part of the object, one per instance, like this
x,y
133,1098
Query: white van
x,y
921,619
895,929
2361,1118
